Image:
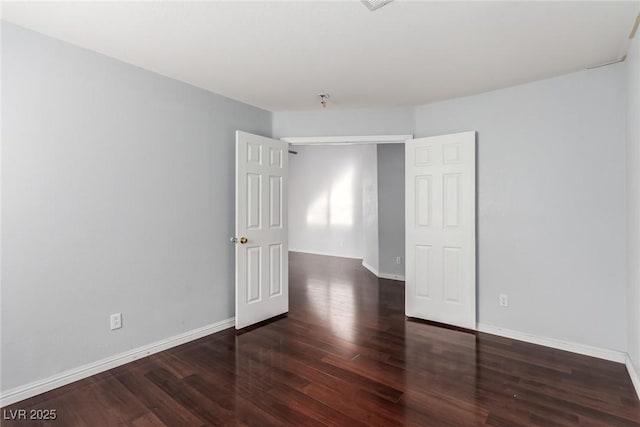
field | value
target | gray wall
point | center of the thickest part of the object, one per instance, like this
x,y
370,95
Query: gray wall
x,y
633,200
333,122
117,196
551,203
325,200
391,207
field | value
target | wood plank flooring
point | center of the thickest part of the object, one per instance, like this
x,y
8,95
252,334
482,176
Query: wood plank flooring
x,y
346,355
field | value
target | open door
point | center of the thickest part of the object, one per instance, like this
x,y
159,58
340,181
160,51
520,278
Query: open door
x,y
440,218
262,262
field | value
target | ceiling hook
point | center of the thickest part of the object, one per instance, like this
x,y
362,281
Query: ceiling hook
x,y
323,99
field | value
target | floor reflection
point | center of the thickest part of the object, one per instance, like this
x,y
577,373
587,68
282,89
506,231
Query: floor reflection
x,y
333,300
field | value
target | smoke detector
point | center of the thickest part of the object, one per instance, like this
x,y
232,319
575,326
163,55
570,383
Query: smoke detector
x,y
375,4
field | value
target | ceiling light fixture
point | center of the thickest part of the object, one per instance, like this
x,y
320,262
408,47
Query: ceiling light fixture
x,y
375,4
323,99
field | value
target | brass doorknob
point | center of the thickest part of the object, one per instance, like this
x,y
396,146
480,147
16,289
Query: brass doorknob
x,y
243,240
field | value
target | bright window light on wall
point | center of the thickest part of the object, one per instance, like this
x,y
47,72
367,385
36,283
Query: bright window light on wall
x,y
318,211
341,201
336,206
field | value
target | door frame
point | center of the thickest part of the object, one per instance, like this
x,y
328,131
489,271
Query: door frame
x,y
351,140
347,140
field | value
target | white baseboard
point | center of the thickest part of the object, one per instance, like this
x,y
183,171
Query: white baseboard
x,y
323,254
600,353
382,275
391,276
37,387
370,268
364,264
635,378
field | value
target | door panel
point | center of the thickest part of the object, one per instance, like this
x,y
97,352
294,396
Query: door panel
x,y
275,201
440,229
262,267
423,271
275,269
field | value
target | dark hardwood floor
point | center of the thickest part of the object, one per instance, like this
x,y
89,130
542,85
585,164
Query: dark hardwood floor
x,y
346,355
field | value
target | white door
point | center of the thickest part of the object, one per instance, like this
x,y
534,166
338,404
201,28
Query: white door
x,y
441,229
262,263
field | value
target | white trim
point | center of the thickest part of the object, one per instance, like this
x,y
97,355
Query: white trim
x,y
635,378
302,251
344,140
370,268
382,275
392,276
601,353
41,386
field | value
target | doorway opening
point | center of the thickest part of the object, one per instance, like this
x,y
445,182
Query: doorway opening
x,y
346,199
336,206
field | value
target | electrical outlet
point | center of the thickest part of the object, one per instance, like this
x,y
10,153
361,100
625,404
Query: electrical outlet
x,y
504,300
398,260
342,244
116,321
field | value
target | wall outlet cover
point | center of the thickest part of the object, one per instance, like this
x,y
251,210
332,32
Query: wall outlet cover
x,y
504,300
116,321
